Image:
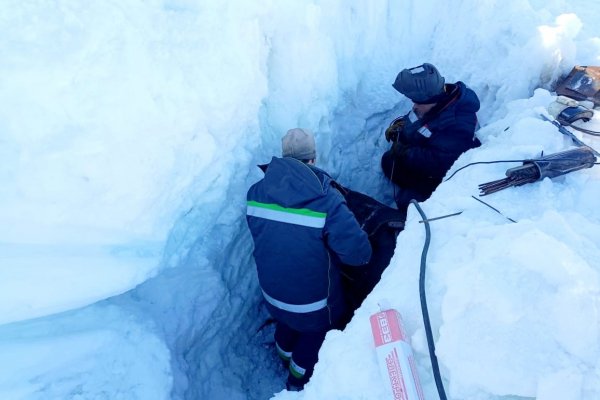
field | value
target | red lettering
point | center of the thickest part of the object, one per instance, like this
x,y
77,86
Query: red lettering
x,y
386,333
395,375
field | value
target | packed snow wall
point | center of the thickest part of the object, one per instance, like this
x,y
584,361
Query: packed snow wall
x,y
130,134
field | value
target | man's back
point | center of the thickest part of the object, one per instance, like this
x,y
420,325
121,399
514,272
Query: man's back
x,y
299,222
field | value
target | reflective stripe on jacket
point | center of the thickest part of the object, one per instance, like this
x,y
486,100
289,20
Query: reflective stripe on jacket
x,y
301,226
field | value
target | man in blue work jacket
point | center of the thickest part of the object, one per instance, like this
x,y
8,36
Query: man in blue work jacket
x,y
302,230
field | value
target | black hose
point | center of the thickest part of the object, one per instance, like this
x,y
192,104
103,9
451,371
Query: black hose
x,y
589,132
427,323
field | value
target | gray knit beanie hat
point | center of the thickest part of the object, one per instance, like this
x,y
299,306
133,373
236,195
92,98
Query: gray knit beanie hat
x,y
299,143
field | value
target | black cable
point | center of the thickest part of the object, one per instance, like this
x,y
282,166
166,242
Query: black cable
x,y
528,160
425,312
392,177
560,128
484,162
588,131
568,133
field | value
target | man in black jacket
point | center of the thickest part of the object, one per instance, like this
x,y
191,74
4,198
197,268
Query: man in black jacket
x,y
426,141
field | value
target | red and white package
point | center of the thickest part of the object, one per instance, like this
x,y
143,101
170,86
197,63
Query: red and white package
x,y
395,356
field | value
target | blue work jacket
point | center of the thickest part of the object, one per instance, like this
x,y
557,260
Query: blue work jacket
x,y
302,229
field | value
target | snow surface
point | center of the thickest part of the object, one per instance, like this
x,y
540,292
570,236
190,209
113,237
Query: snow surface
x,y
129,132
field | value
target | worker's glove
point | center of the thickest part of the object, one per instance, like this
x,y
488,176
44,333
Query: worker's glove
x,y
393,132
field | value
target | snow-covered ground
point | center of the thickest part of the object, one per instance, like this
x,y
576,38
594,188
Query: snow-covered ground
x,y
129,134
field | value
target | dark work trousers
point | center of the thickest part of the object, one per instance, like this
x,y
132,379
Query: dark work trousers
x,y
402,195
304,348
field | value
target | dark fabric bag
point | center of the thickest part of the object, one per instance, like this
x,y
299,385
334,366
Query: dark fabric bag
x,y
382,224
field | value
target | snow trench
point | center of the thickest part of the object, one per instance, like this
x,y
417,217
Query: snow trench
x,y
209,306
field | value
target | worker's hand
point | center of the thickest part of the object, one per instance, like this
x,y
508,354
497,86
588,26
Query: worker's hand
x,y
395,130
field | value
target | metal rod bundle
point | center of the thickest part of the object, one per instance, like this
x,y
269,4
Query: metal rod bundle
x,y
544,167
